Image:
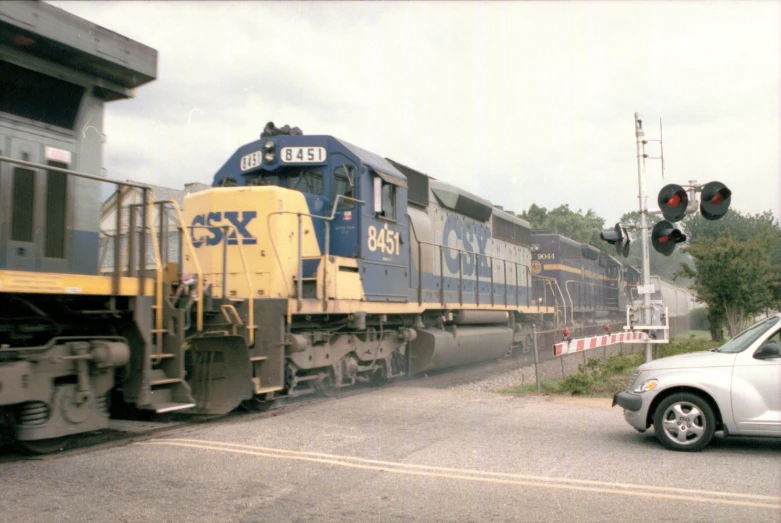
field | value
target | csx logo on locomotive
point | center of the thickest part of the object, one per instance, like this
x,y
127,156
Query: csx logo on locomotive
x,y
466,233
212,224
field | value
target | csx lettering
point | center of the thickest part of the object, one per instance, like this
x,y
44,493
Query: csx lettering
x,y
212,224
468,234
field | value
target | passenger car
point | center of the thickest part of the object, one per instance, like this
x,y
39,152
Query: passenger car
x,y
735,388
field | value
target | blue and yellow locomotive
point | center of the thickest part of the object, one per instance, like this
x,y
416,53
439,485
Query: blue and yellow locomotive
x,y
334,265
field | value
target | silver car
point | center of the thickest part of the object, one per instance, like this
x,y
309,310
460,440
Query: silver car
x,y
735,389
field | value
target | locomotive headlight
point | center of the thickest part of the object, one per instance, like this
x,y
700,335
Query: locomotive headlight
x,y
269,145
647,385
269,157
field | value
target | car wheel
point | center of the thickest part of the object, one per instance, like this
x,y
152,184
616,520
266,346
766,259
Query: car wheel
x,y
684,421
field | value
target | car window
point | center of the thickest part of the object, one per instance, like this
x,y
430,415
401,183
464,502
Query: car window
x,y
776,337
743,340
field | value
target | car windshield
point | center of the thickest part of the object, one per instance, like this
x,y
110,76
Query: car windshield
x,y
748,336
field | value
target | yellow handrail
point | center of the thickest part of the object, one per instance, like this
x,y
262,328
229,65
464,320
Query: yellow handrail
x,y
187,240
251,305
158,273
251,291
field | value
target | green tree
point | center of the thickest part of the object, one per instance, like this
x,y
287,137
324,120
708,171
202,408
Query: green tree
x,y
736,278
582,227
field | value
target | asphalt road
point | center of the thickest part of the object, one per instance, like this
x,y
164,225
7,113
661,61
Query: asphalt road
x,y
406,453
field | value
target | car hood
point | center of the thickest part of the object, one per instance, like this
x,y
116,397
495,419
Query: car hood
x,y
691,360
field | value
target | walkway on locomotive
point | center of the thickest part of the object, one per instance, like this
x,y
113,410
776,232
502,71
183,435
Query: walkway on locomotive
x,y
360,234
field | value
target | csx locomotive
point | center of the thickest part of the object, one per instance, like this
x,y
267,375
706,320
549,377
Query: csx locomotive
x,y
340,266
310,264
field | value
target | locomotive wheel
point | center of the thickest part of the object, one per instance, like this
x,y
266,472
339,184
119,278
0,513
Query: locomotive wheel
x,y
256,404
45,446
325,388
379,377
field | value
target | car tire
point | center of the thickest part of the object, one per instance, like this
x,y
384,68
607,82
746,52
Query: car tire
x,y
684,422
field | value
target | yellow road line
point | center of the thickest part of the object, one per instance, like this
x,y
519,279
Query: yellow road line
x,y
402,468
482,472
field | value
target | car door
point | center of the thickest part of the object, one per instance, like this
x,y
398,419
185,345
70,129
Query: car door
x,y
756,390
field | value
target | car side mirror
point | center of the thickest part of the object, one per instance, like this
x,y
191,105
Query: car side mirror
x,y
768,351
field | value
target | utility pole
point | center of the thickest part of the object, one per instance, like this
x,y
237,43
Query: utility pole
x,y
641,156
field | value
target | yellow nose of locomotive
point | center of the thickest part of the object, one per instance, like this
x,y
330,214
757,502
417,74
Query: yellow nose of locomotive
x,y
243,241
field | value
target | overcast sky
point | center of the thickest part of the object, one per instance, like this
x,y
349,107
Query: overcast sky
x,y
520,103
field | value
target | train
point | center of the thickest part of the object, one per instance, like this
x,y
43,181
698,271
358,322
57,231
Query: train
x,y
310,264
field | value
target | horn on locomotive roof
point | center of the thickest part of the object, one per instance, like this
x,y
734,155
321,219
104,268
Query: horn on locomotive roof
x,y
272,130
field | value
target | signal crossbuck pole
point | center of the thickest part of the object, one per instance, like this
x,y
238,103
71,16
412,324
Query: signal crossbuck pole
x,y
639,134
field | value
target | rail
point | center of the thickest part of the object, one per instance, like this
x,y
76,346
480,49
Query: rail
x,y
251,327
300,258
567,288
117,269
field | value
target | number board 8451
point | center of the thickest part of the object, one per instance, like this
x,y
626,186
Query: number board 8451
x,y
302,155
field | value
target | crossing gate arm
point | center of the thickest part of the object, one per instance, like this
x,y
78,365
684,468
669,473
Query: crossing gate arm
x,y
568,347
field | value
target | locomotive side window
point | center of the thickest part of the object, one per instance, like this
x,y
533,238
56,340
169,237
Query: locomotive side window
x,y
388,201
23,205
344,184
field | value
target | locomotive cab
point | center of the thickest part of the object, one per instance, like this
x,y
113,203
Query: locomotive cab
x,y
349,204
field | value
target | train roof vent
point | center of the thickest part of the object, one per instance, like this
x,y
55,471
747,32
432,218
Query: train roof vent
x,y
462,201
417,184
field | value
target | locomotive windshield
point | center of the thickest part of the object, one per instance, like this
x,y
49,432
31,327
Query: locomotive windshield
x,y
296,178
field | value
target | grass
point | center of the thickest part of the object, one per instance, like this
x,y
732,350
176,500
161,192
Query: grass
x,y
603,377
692,335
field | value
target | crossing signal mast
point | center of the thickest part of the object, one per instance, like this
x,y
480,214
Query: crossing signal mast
x,y
675,202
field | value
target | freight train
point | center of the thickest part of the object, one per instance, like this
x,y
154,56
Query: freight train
x,y
310,264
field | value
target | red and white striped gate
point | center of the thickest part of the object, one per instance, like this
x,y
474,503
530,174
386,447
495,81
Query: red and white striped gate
x,y
596,341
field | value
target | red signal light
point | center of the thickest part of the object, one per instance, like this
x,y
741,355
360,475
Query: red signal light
x,y
673,202
716,200
664,237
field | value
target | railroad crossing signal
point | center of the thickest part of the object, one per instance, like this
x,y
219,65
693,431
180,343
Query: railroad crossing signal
x,y
673,201
664,237
618,237
715,200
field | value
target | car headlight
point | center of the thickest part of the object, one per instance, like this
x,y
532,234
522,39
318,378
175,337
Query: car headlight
x,y
647,385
